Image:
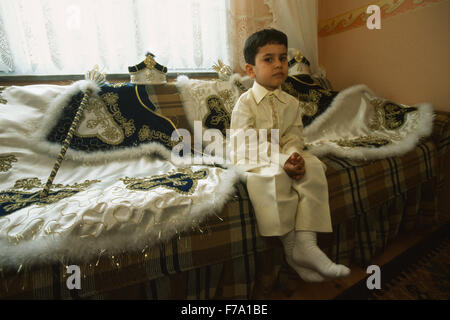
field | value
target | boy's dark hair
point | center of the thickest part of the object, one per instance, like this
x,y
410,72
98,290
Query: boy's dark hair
x,y
260,39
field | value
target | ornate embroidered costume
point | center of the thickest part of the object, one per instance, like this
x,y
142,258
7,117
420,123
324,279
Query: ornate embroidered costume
x,y
117,181
118,117
148,71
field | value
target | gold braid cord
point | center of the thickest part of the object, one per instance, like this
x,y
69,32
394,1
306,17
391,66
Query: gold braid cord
x,y
66,143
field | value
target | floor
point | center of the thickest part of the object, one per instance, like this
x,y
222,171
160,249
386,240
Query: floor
x,y
300,290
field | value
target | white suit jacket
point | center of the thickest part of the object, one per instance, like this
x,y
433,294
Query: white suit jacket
x,y
253,111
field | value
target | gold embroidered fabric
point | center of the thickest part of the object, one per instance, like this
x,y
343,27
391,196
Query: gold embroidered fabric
x,y
6,162
117,84
240,86
97,121
89,208
389,115
364,141
309,108
16,198
309,102
360,125
211,102
2,100
218,117
183,181
147,134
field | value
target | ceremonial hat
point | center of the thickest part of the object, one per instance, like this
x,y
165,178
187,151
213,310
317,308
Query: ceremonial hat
x,y
148,71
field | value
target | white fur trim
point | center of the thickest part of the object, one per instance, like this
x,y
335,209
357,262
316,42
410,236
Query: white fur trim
x,y
40,144
396,148
54,249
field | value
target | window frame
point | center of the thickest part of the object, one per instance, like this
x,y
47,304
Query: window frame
x,y
171,76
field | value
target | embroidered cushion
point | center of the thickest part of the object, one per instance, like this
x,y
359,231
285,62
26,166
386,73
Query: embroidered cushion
x,y
208,104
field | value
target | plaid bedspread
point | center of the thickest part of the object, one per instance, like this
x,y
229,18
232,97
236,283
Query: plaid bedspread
x,y
371,202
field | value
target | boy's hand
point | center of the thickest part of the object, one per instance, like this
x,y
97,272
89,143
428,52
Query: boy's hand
x,y
295,166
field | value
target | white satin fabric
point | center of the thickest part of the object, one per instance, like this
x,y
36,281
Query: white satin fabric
x,y
105,215
356,112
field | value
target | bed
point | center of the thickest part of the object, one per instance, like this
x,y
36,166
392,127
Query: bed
x,y
141,224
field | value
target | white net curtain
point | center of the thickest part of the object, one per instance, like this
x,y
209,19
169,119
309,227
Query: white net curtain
x,y
71,36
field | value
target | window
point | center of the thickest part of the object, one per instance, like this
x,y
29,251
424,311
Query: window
x,y
72,36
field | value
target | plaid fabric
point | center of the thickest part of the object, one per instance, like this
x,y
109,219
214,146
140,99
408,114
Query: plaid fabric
x,y
371,202
441,137
355,187
441,131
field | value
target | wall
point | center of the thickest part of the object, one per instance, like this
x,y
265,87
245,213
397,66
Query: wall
x,y
407,60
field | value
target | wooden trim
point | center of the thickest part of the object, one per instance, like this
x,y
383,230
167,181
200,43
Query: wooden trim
x,y
68,79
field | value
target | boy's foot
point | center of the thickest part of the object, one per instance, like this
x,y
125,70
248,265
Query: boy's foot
x,y
307,254
306,274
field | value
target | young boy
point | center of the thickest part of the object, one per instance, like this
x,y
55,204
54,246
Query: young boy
x,y
289,193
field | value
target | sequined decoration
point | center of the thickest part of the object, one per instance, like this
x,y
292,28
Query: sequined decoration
x,y
183,181
364,141
218,117
2,100
18,198
6,162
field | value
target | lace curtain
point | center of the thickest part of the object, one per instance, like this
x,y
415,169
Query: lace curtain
x,y
245,18
297,18
71,36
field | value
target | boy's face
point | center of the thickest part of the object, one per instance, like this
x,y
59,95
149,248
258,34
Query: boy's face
x,y
271,66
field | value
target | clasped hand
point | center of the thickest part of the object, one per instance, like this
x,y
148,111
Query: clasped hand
x,y
295,166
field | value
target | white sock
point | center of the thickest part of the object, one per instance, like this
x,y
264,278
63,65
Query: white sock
x,y
306,274
307,254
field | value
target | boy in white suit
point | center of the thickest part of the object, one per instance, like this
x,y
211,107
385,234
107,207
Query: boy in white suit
x,y
289,192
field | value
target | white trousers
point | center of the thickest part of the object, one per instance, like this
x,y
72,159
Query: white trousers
x,y
282,204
